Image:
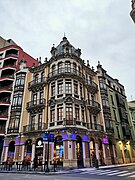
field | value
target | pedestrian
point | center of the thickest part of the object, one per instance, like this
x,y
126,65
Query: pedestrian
x,y
35,163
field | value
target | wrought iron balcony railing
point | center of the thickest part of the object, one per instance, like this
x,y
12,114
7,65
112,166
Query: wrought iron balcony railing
x,y
34,127
66,71
37,82
93,106
90,83
39,103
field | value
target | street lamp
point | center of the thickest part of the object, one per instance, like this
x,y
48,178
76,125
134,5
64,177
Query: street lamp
x,y
48,138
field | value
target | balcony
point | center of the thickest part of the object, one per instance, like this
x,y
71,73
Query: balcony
x,y
35,105
12,130
5,101
6,89
3,115
110,130
66,72
103,91
91,86
94,126
7,77
106,109
12,52
93,106
34,127
37,84
2,131
8,67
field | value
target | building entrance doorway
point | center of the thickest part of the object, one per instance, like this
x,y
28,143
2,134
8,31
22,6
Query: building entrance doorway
x,y
28,149
39,151
79,152
92,152
11,149
111,152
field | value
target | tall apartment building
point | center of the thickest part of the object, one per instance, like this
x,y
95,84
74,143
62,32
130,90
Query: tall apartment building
x,y
68,101
132,13
116,116
11,56
131,105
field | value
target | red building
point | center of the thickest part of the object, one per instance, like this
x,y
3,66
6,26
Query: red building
x,y
10,57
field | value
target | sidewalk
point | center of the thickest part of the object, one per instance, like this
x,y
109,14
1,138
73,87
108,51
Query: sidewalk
x,y
63,171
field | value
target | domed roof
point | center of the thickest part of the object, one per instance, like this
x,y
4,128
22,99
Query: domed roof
x,y
65,48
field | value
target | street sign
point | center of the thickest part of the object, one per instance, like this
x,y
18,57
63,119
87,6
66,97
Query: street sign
x,y
48,137
45,137
51,137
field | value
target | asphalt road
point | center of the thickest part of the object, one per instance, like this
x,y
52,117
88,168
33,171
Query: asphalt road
x,y
118,173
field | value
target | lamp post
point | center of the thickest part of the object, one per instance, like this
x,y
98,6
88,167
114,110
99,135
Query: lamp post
x,y
47,168
48,138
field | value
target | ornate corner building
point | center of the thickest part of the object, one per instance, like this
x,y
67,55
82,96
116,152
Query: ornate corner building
x,y
132,13
68,99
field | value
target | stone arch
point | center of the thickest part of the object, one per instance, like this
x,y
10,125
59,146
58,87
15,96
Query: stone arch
x,y
92,151
28,149
11,149
100,152
79,151
111,151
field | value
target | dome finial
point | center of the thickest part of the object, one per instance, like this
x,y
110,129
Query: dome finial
x,y
64,38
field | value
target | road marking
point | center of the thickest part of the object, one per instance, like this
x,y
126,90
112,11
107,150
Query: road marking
x,y
132,176
117,173
126,174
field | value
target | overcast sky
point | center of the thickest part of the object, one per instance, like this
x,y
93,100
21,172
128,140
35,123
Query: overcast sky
x,y
102,29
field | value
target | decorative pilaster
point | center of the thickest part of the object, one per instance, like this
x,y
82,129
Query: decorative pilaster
x,y
33,152
86,154
96,148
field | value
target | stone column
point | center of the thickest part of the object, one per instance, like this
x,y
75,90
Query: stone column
x,y
33,152
22,155
96,148
86,154
69,158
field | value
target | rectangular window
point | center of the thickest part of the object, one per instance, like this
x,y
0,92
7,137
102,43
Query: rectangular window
x,y
34,98
81,90
95,122
17,99
40,121
60,87
41,96
59,112
53,89
68,88
69,112
77,113
74,68
115,117
83,117
60,67
67,66
118,132
32,122
112,99
52,114
91,127
76,87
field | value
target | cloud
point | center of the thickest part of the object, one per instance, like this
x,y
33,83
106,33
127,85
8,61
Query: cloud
x,y
102,29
